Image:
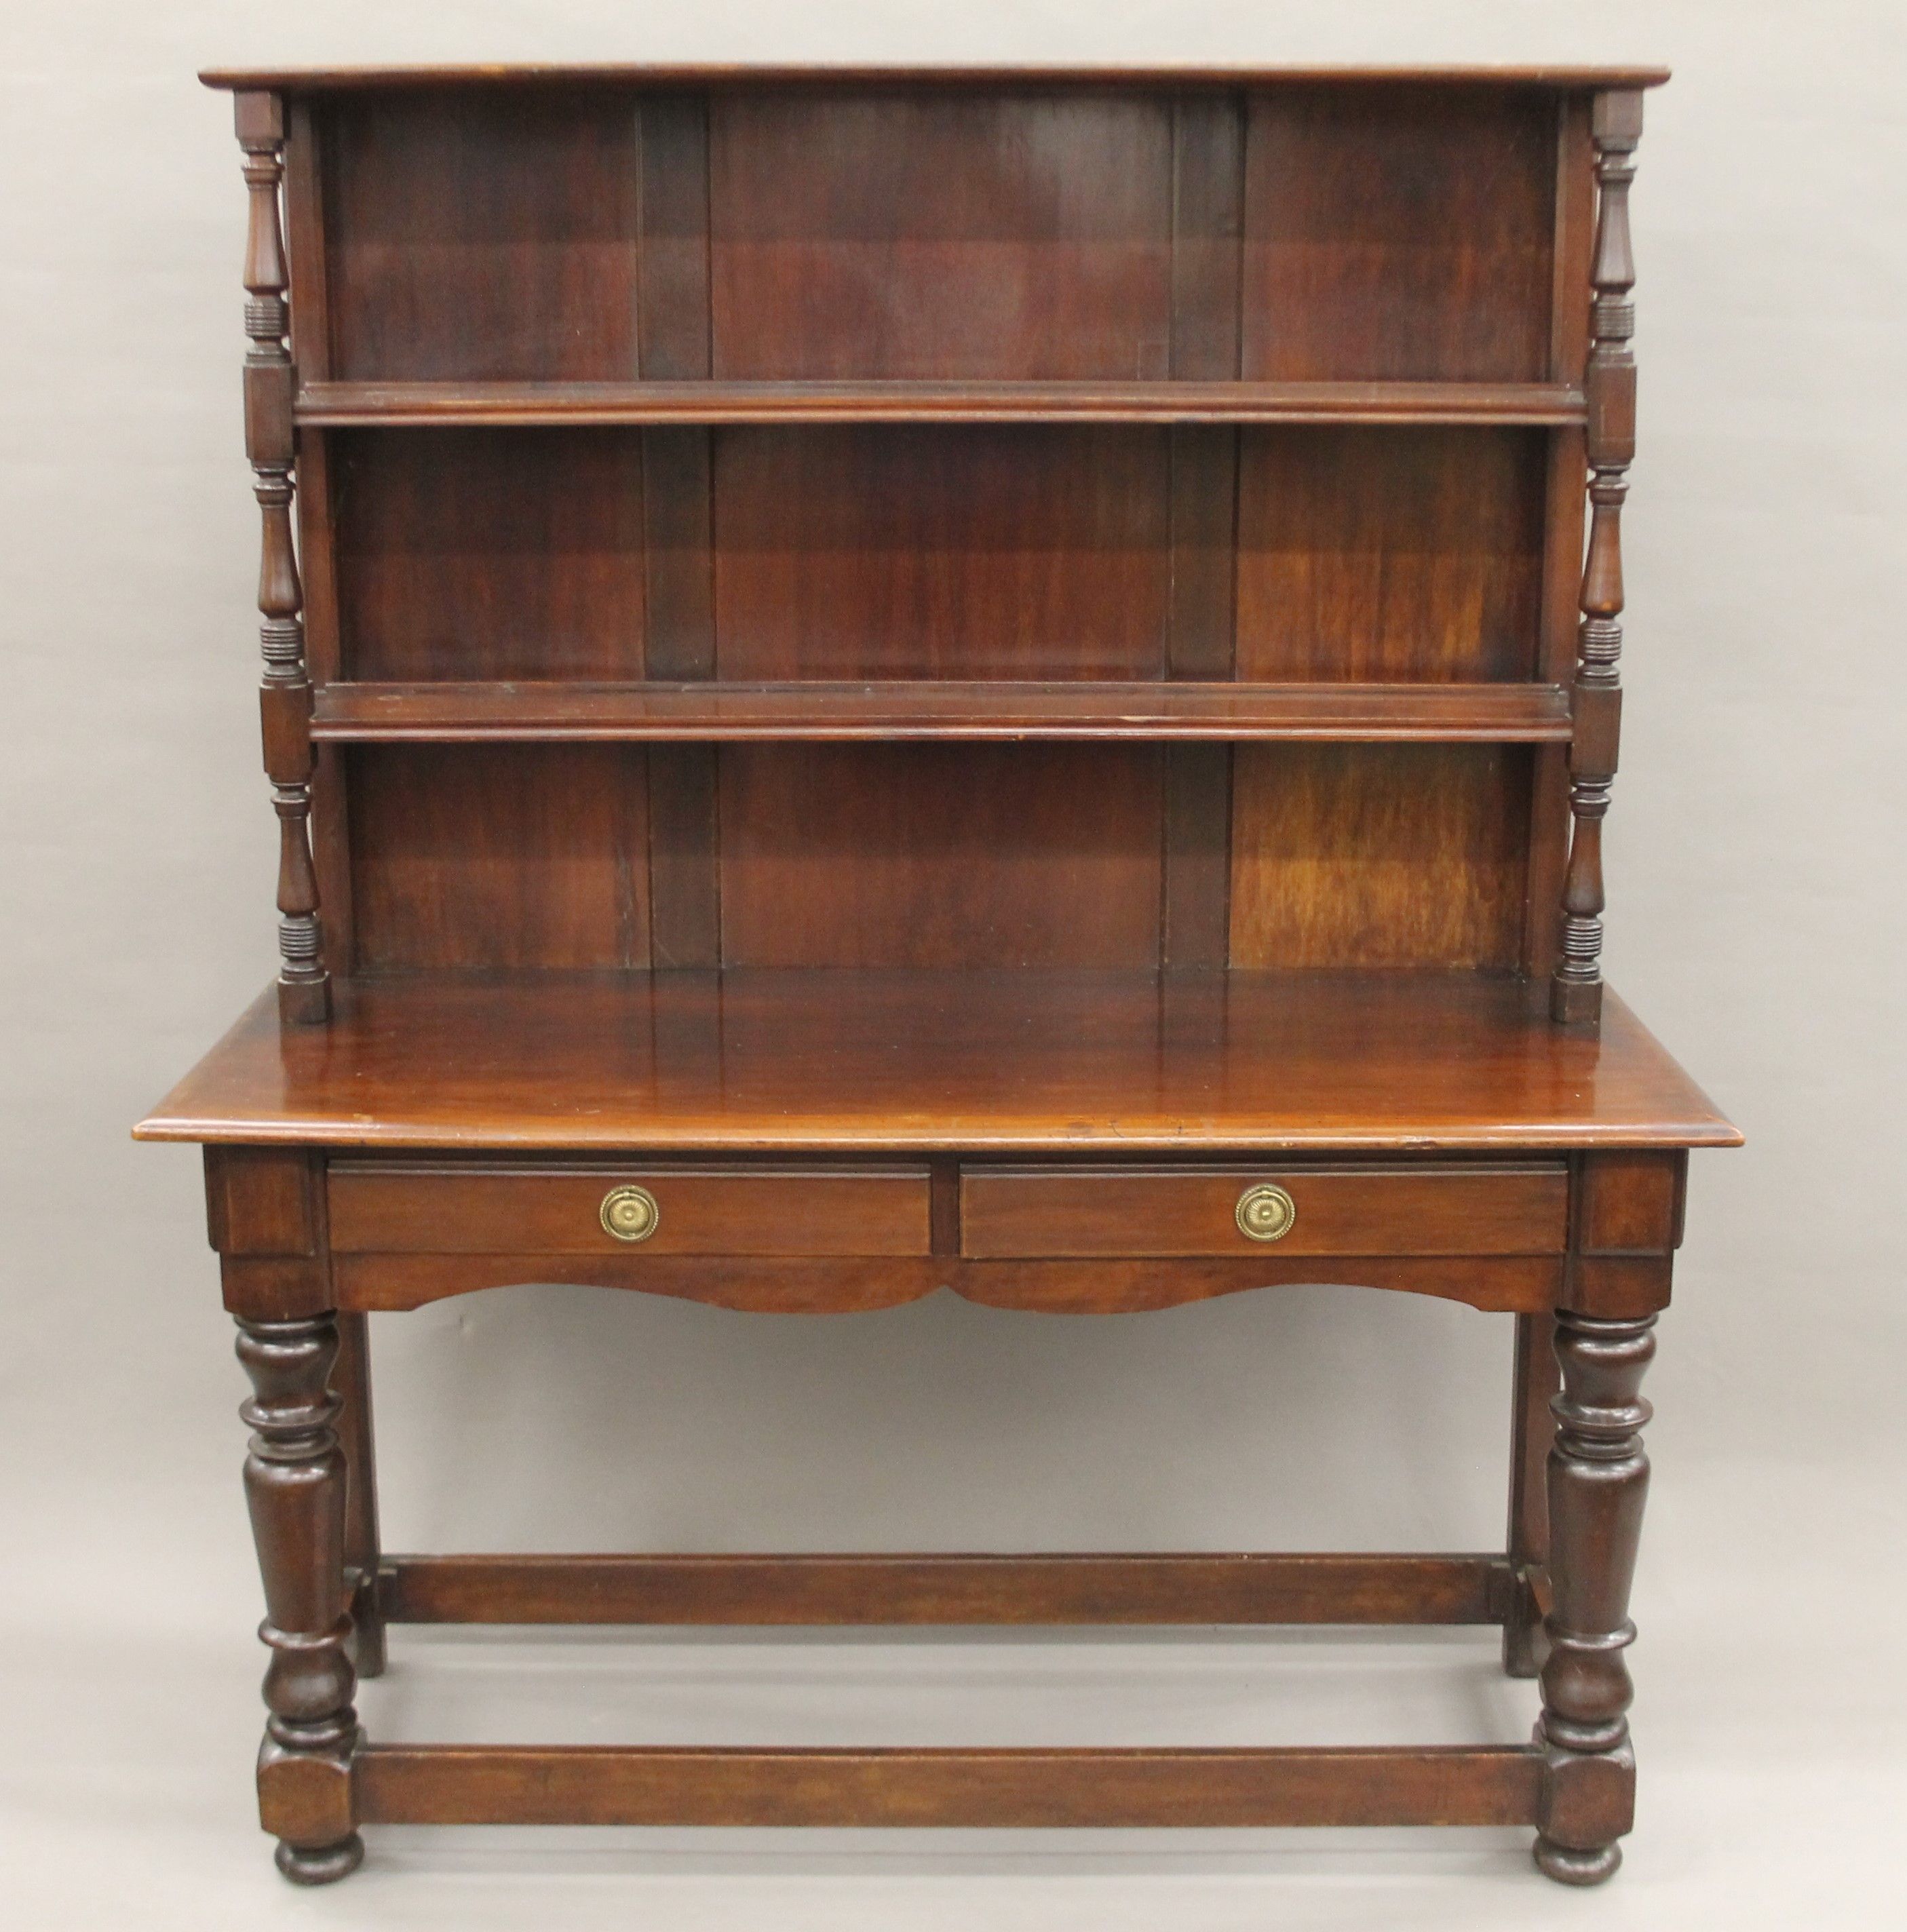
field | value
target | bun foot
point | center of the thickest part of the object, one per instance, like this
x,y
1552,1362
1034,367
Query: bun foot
x,y
320,1865
1570,1864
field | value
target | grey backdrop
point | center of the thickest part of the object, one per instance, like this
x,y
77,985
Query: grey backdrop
x,y
1756,922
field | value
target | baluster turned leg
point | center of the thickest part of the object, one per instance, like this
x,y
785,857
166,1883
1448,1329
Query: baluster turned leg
x,y
294,1484
1598,1477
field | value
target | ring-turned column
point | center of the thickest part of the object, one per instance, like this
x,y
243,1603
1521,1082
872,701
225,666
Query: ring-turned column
x,y
295,1482
1596,700
1598,1479
285,695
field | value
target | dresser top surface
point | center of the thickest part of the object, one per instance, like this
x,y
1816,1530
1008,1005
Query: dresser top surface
x,y
313,80
845,1061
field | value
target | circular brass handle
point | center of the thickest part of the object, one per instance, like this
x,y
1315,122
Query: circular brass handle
x,y
630,1213
1266,1213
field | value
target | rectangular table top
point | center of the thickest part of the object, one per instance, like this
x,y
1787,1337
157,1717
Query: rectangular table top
x,y
817,1061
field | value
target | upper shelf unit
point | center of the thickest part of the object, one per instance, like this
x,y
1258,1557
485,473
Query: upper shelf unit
x,y
505,404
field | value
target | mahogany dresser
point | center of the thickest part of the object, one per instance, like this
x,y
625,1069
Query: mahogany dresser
x,y
877,682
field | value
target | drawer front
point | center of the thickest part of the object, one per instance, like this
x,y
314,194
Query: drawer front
x,y
1023,1213
394,1208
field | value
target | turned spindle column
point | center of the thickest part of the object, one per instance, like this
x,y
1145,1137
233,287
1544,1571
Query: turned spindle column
x,y
294,1484
1598,1480
285,696
1596,706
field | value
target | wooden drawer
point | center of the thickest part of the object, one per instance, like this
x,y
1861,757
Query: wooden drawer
x,y
405,1208
1022,1213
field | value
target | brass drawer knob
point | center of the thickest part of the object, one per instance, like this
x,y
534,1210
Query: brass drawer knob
x,y
630,1213
1266,1213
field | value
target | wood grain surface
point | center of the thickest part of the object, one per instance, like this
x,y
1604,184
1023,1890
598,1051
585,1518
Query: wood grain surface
x,y
395,1208
779,1060
1422,1209
492,75
581,1784
456,711
775,1590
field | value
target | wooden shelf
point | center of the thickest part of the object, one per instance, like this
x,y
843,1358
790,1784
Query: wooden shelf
x,y
504,405
671,74
454,713
813,1060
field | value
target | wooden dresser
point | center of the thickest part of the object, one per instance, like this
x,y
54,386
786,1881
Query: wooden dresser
x,y
877,682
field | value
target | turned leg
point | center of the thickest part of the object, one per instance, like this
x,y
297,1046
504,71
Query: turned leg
x,y
352,1380
294,1484
1598,1479
1533,1426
